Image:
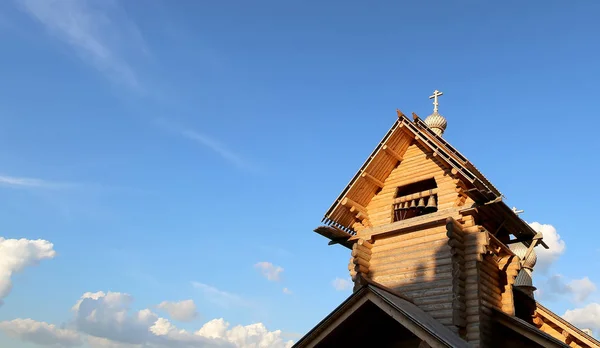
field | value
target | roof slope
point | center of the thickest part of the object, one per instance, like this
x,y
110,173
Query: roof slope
x,y
549,316
394,304
527,330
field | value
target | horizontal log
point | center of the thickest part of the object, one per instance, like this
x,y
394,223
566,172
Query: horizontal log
x,y
435,240
473,229
365,243
361,248
434,287
361,269
457,252
447,306
413,196
359,261
422,253
398,280
361,254
413,262
453,243
443,298
415,275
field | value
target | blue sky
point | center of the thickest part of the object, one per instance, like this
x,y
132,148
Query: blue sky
x,y
166,149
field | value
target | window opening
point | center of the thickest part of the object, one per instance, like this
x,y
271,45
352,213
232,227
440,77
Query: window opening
x,y
415,199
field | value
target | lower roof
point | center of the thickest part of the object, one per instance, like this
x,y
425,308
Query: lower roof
x,y
395,305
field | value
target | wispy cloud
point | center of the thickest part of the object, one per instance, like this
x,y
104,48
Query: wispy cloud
x,y
32,183
102,34
205,141
99,31
215,146
220,297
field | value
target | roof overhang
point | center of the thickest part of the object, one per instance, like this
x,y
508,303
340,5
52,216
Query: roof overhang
x,y
527,330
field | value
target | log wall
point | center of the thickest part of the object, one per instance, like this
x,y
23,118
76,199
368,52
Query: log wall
x,y
418,164
418,264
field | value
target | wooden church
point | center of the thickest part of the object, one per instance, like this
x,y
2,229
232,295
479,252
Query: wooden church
x,y
437,257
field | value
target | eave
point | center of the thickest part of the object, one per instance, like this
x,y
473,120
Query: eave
x,y
568,329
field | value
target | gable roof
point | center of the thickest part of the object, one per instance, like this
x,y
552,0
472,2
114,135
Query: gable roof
x,y
527,330
385,157
549,316
421,324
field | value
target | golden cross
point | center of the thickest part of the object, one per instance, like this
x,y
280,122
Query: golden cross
x,y
435,96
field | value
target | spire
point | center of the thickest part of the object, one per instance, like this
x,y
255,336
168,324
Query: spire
x,y
435,121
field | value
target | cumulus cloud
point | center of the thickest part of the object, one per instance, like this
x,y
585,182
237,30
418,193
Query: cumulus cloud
x,y
182,310
106,320
18,254
269,270
341,284
587,317
545,257
287,291
108,315
578,289
40,333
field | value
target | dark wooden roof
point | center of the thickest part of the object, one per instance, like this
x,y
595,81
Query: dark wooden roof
x,y
401,307
525,329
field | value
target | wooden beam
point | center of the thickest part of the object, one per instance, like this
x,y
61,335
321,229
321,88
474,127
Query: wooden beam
x,y
372,179
422,194
498,243
347,202
392,153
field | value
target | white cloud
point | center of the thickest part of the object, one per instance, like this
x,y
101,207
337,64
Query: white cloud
x,y
106,320
341,284
99,31
578,289
582,288
545,257
182,310
18,254
269,270
40,333
587,317
99,342
109,316
287,291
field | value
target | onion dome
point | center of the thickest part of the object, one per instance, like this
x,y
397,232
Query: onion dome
x,y
520,250
524,280
437,123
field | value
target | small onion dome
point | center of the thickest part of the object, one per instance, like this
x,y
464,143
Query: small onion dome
x,y
437,123
520,250
524,278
